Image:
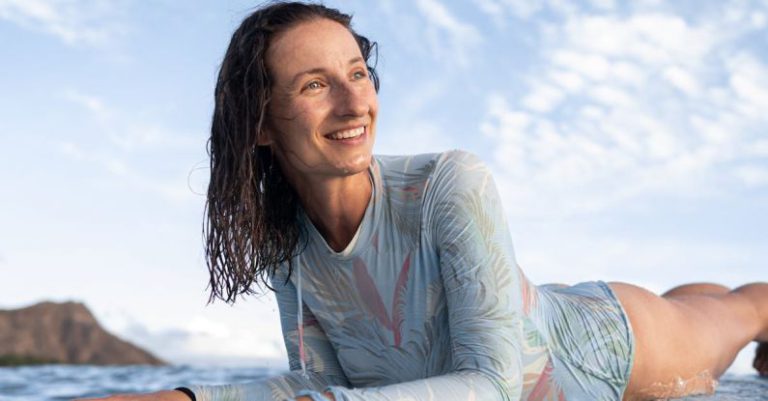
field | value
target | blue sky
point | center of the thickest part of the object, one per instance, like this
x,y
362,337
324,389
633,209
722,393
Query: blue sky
x,y
629,141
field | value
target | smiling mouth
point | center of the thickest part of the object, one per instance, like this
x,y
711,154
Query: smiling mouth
x,y
346,134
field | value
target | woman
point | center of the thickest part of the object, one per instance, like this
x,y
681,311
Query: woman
x,y
395,276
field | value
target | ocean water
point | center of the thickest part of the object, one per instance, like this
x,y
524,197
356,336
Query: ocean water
x,y
62,382
68,382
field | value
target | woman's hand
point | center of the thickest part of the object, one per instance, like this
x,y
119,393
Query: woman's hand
x,y
166,395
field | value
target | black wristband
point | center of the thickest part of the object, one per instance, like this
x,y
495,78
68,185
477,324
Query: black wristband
x,y
188,392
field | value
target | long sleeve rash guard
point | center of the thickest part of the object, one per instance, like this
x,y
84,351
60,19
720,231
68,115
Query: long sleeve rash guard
x,y
427,303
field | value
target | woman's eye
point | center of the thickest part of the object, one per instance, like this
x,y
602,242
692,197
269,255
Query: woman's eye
x,y
313,85
359,75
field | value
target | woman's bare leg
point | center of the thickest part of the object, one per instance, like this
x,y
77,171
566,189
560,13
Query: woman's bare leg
x,y
697,289
760,363
688,338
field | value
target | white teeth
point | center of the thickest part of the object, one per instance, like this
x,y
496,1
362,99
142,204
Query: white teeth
x,y
352,133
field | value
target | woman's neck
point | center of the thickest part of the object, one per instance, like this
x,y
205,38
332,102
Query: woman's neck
x,y
336,205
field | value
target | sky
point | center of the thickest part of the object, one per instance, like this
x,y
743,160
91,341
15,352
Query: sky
x,y
628,139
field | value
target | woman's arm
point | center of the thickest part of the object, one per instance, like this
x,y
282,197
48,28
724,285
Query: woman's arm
x,y
165,395
322,366
323,369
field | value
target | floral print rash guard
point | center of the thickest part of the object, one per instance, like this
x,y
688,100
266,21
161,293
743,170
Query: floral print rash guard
x,y
428,303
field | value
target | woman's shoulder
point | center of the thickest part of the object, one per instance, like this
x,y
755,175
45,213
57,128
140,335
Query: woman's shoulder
x,y
426,164
424,178
458,172
406,164
461,158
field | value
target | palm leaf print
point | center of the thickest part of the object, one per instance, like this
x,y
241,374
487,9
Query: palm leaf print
x,y
371,297
541,389
342,304
403,190
368,292
398,301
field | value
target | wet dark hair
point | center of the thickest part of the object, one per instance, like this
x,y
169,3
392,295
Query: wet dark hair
x,y
251,224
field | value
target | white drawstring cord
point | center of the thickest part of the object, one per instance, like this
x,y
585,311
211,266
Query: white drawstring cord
x,y
300,323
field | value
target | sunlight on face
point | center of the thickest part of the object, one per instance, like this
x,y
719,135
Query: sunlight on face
x,y
321,119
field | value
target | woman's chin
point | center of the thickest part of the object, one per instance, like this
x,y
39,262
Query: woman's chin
x,y
355,166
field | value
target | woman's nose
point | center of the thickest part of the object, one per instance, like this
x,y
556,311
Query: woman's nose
x,y
350,100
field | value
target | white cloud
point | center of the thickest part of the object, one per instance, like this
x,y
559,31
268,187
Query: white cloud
x,y
610,96
656,103
128,134
604,4
543,98
121,147
491,7
180,188
752,176
518,8
758,148
502,10
749,81
758,19
93,104
682,80
203,338
524,8
73,22
567,80
591,66
462,36
107,161
649,38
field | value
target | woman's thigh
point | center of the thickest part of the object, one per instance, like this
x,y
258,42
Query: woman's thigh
x,y
682,344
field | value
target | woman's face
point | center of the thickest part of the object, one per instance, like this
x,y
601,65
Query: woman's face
x,y
321,119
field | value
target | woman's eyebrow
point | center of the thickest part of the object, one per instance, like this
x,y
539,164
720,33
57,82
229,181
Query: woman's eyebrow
x,y
321,69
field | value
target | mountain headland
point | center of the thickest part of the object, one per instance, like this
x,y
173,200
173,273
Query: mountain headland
x,y
66,333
